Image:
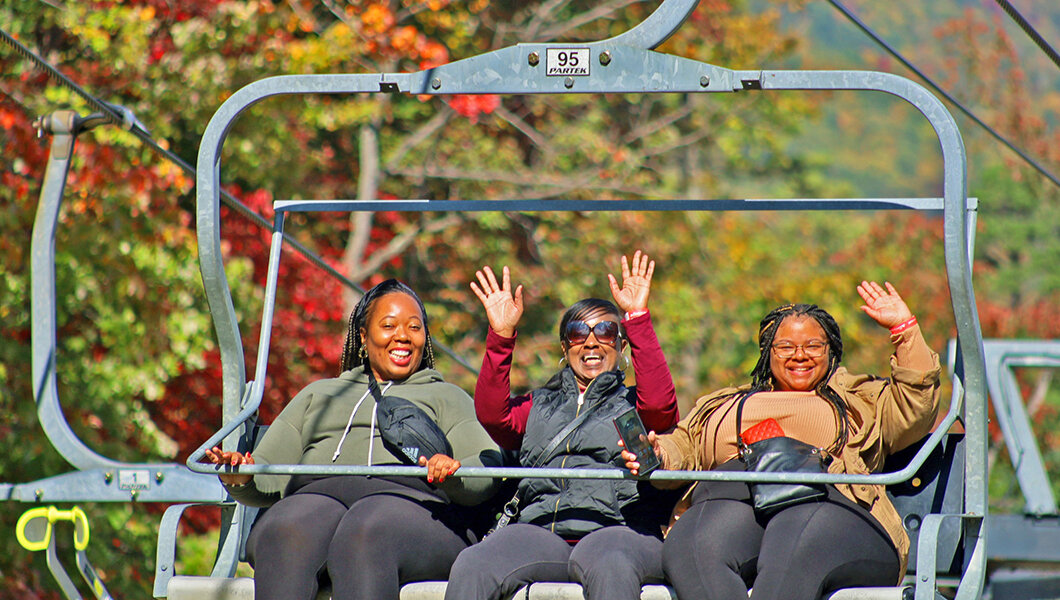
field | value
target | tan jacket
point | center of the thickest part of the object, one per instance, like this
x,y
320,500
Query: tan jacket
x,y
886,415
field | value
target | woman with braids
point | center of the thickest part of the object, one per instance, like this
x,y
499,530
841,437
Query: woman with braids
x,y
854,537
370,534
604,534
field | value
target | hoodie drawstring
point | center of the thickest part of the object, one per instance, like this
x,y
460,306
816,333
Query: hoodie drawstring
x,y
349,424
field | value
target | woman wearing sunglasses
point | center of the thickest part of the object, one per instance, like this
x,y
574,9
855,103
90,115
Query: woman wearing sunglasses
x,y
604,534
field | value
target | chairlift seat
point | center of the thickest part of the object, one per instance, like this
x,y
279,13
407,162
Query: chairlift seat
x,y
937,487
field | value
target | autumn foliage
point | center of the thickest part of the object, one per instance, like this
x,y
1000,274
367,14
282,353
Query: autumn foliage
x,y
138,364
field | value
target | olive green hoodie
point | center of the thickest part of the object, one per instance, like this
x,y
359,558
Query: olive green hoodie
x,y
309,430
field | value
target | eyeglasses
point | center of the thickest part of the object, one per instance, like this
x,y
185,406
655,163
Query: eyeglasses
x,y
813,349
606,332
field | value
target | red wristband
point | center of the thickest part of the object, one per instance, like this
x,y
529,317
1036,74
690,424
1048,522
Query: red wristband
x,y
899,328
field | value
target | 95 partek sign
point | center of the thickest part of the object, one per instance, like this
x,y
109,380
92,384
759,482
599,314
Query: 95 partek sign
x,y
564,62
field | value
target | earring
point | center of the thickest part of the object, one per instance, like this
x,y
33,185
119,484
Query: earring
x,y
362,353
563,360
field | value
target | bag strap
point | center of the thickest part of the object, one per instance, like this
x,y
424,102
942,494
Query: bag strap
x,y
741,446
373,385
511,508
553,444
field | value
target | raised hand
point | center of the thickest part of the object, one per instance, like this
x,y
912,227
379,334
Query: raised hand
x,y
503,310
439,467
885,306
631,459
221,457
632,297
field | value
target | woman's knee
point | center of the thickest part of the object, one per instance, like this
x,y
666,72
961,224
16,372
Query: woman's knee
x,y
816,547
616,552
469,562
715,532
376,519
291,530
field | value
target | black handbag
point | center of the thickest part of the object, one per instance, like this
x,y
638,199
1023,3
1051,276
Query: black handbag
x,y
780,454
407,432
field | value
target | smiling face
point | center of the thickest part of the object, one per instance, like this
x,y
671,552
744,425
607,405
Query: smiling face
x,y
801,372
591,358
394,336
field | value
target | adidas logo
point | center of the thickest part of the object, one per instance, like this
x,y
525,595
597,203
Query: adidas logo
x,y
413,453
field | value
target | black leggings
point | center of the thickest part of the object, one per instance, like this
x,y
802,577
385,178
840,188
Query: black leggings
x,y
610,563
370,549
717,550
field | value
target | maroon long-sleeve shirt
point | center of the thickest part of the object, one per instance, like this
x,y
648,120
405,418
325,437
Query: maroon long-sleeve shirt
x,y
504,416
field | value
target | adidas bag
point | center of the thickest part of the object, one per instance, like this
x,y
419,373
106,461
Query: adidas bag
x,y
408,433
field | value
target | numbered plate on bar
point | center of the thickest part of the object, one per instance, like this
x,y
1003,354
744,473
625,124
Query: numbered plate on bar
x,y
567,62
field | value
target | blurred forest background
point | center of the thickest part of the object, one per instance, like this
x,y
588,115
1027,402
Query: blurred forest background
x,y
138,368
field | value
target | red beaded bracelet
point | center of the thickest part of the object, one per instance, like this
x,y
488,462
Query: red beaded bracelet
x,y
899,328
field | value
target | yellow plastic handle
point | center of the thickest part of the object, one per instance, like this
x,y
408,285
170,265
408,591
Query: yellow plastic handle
x,y
50,514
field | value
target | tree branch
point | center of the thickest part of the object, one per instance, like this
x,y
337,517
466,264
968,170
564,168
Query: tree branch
x,y
400,243
530,181
540,17
425,131
587,17
654,126
524,127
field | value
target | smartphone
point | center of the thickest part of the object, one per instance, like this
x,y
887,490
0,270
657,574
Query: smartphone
x,y
635,437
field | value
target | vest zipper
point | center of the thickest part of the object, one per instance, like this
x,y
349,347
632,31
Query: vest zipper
x,y
563,463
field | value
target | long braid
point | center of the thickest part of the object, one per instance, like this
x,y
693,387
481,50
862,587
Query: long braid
x,y
352,348
762,374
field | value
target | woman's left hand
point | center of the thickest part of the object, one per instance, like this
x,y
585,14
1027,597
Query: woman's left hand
x,y
885,306
439,467
636,283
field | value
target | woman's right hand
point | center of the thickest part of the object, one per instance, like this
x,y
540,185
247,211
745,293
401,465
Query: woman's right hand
x,y
221,457
631,459
503,309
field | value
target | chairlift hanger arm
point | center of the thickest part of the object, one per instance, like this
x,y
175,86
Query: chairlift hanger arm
x,y
659,26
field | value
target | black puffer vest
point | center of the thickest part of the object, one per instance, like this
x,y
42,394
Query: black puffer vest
x,y
573,508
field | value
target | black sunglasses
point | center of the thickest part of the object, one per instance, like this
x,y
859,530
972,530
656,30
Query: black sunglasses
x,y
606,332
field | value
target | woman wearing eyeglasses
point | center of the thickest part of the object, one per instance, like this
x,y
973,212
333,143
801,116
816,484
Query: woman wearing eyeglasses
x,y
604,534
721,545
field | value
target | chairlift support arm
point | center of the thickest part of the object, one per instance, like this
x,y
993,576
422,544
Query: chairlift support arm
x,y
97,478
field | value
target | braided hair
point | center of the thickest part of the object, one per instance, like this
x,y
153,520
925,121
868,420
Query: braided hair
x,y
353,352
762,374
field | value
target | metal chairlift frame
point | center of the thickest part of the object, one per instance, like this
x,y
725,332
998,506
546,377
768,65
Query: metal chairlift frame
x,y
97,478
1028,539
623,64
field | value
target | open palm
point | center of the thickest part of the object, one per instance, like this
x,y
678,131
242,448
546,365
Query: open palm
x,y
636,283
885,306
503,309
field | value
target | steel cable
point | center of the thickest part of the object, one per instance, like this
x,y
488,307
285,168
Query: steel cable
x,y
1030,31
113,114
931,83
